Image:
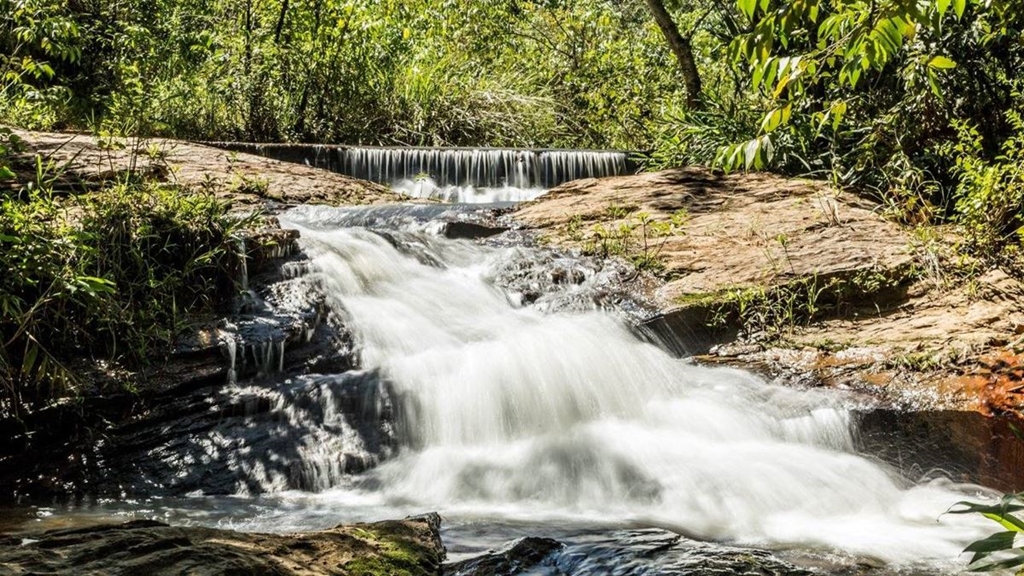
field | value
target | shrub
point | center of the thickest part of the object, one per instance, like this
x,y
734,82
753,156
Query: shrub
x,y
990,193
110,276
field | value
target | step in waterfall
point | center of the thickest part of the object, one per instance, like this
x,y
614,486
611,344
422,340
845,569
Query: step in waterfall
x,y
472,175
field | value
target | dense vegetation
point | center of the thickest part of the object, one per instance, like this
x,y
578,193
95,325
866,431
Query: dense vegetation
x,y
918,103
914,102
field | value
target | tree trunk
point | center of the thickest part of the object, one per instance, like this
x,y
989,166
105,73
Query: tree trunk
x,y
683,51
280,22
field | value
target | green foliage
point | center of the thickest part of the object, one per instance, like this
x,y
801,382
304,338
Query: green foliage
x,y
34,36
990,194
110,276
1001,544
808,58
576,73
866,92
638,238
781,308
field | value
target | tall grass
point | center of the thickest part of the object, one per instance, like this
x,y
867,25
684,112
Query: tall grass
x,y
112,275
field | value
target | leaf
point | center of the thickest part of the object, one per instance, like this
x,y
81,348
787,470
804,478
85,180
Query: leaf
x,y
959,6
941,63
994,543
943,5
94,286
1000,513
750,153
838,110
771,120
747,7
29,362
1008,521
6,173
933,81
1014,561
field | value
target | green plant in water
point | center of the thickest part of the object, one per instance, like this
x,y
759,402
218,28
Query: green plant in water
x,y
1001,544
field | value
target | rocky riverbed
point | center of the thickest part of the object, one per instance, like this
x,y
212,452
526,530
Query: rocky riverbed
x,y
409,547
276,396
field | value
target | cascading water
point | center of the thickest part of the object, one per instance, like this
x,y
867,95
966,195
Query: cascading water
x,y
480,176
512,413
456,175
503,387
477,175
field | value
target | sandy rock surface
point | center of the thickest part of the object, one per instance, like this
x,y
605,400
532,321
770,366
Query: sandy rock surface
x,y
82,161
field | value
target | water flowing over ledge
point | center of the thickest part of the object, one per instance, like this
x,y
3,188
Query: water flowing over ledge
x,y
464,175
519,413
502,384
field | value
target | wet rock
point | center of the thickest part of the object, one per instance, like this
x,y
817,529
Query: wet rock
x,y
685,331
522,556
269,244
554,281
184,425
964,446
410,547
471,230
303,433
655,551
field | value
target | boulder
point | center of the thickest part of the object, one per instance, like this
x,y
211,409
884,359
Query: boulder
x,y
410,547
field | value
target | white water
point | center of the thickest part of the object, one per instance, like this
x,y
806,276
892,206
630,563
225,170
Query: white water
x,y
475,175
427,188
570,418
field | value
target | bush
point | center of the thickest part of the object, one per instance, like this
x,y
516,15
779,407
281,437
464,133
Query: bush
x,y
109,276
990,193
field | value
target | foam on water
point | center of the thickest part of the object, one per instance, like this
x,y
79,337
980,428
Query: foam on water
x,y
518,414
427,188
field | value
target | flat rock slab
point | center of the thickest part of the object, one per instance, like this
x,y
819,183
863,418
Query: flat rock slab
x,y
742,230
410,547
83,161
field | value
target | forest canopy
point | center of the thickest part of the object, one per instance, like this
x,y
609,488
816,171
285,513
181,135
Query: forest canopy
x,y
916,103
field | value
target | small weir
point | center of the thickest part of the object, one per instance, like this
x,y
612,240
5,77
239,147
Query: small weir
x,y
465,175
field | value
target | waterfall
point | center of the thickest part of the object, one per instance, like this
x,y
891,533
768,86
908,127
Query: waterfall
x,y
515,413
465,175
476,175
481,168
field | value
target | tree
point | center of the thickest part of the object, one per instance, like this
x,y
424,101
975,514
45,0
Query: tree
x,y
682,48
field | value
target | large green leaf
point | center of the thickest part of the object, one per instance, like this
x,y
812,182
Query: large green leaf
x,y
747,7
941,62
995,543
1016,560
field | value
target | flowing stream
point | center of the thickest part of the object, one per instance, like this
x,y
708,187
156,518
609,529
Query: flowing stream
x,y
550,416
521,414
